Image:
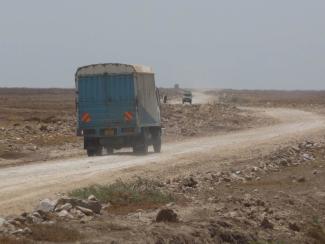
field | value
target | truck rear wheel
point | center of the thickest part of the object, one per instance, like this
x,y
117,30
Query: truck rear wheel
x,y
157,142
109,150
140,149
91,152
142,146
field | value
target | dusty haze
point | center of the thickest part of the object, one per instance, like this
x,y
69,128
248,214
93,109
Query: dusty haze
x,y
220,44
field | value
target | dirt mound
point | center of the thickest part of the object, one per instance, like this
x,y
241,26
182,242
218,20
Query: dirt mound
x,y
205,119
166,215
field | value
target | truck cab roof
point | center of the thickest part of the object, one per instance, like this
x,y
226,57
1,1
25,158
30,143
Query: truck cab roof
x,y
113,68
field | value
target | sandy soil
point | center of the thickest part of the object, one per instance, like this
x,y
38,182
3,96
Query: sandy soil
x,y
21,187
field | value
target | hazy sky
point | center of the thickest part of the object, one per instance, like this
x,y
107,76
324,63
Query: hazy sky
x,y
261,44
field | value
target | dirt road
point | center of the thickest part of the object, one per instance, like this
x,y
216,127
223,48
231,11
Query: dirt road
x,y
199,97
22,186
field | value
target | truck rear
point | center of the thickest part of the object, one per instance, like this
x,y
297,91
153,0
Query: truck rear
x,y
187,97
117,106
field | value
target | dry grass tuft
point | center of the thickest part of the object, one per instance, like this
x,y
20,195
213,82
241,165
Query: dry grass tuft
x,y
126,197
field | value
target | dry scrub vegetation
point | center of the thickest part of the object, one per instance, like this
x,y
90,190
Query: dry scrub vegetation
x,y
125,197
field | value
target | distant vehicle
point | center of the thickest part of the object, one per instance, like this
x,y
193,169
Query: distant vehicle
x,y
165,98
117,106
187,97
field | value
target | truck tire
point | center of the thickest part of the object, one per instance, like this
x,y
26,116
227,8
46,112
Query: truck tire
x,y
109,150
157,142
91,152
141,149
142,146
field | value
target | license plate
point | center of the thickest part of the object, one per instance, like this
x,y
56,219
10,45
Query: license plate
x,y
128,130
109,132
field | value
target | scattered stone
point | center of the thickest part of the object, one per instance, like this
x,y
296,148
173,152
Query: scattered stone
x,y
2,221
18,232
233,214
226,179
27,127
211,199
25,231
260,203
166,215
46,206
168,205
20,219
34,219
37,215
254,169
301,179
66,206
307,157
86,211
77,213
248,177
86,219
43,128
266,224
294,227
92,198
190,182
95,206
31,148
65,214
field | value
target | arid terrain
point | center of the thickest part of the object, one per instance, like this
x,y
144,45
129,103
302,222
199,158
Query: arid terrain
x,y
38,125
236,167
269,98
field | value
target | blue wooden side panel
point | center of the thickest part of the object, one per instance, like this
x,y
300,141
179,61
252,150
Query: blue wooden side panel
x,y
106,98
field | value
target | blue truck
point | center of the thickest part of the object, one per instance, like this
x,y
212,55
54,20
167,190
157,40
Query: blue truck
x,y
118,105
